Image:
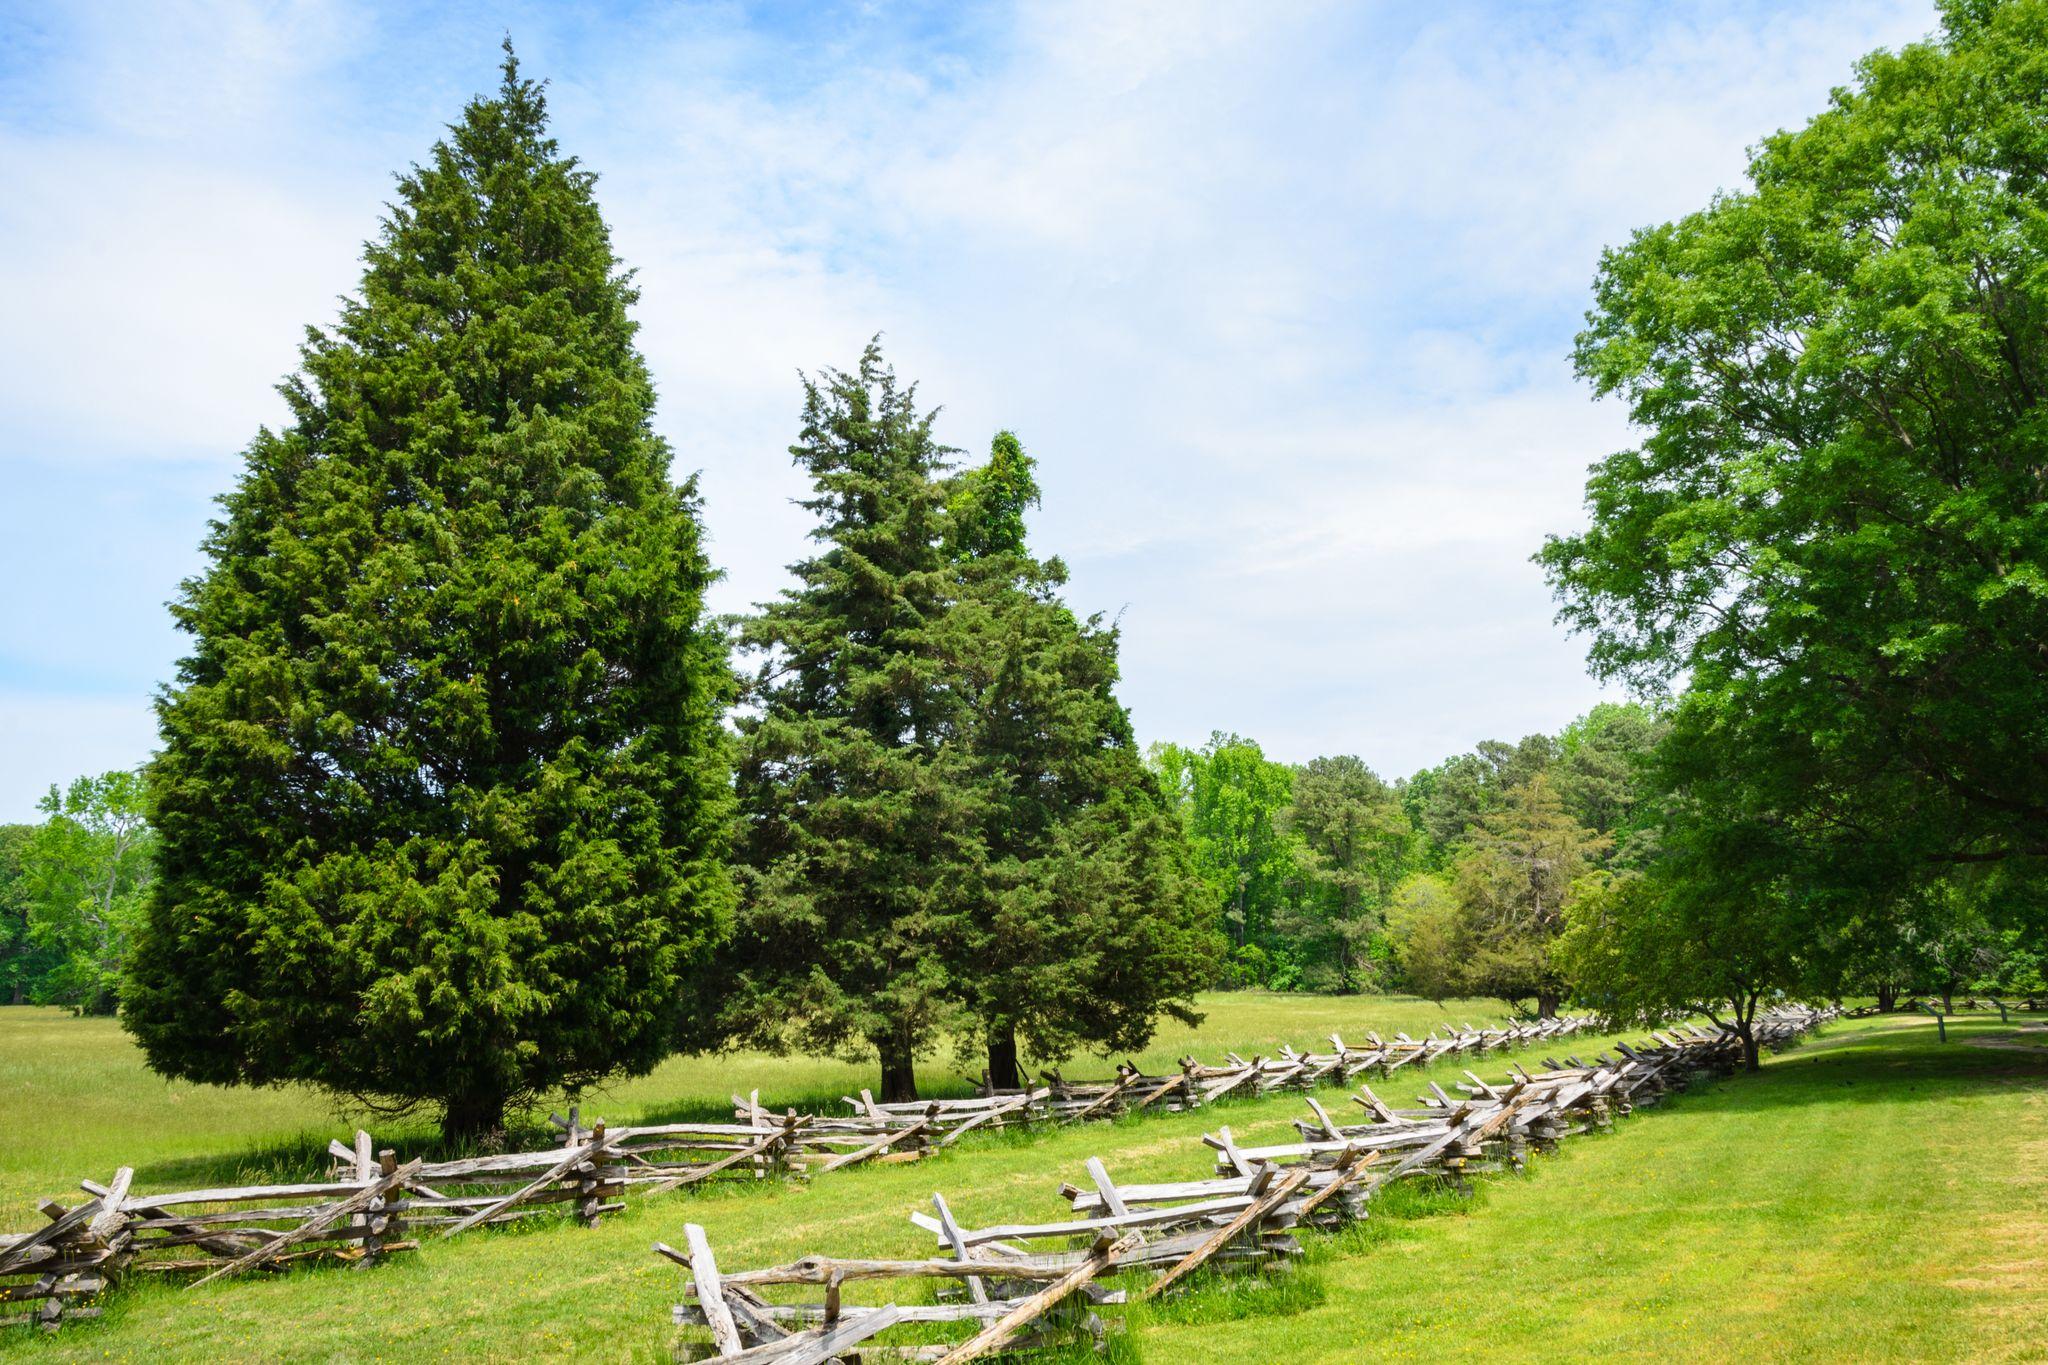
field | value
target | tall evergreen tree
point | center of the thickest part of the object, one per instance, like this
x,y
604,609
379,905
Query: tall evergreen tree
x,y
443,792
862,809
948,830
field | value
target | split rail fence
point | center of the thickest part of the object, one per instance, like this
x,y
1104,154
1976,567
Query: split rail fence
x,y
372,1206
1929,1004
1024,1285
907,1131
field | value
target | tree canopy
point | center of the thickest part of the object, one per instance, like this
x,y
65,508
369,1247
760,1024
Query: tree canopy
x,y
1230,798
1833,529
71,893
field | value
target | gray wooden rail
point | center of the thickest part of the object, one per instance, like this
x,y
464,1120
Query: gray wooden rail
x,y
1022,1285
372,1206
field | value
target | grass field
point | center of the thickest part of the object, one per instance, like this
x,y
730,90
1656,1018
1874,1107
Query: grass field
x,y
1874,1194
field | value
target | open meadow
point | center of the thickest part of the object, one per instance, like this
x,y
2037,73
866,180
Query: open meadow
x,y
1873,1194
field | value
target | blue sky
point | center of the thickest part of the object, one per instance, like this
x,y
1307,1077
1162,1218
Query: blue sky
x,y
1281,297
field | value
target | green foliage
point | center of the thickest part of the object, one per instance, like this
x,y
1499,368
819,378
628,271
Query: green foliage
x,y
1462,789
987,505
948,829
1715,928
443,793
1354,844
1230,797
77,882
24,963
1427,936
864,813
1511,890
1602,772
1317,866
1834,528
1093,922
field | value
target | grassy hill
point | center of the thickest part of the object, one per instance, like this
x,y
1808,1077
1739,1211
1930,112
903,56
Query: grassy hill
x,y
1873,1194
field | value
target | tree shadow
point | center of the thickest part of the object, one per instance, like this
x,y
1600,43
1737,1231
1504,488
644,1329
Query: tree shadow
x,y
1877,1066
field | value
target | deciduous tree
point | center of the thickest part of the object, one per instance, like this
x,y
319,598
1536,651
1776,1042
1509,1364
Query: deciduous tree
x,y
80,879
1715,927
1230,797
1834,527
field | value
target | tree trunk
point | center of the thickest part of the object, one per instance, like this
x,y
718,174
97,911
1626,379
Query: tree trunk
x,y
1750,1060
474,1122
899,1072
1003,1071
1546,1004
1948,999
1887,997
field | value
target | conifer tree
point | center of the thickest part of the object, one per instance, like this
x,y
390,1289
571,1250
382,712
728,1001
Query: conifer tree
x,y
1512,888
862,815
443,794
948,831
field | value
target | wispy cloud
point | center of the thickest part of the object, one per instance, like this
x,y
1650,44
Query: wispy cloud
x,y
1280,295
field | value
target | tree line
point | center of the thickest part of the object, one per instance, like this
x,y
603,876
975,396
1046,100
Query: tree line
x,y
1448,882
462,797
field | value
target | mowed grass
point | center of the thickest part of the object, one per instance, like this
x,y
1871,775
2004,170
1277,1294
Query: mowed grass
x,y
1873,1195
79,1102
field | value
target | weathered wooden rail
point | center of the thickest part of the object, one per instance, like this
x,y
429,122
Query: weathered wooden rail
x,y
907,1131
1930,1004
369,1207
372,1206
1021,1285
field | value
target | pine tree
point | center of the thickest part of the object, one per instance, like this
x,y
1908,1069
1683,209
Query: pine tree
x,y
1094,921
443,793
948,831
862,813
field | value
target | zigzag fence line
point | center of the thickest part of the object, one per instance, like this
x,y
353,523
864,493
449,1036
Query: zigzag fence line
x,y
906,1131
1928,1004
1025,1285
372,1206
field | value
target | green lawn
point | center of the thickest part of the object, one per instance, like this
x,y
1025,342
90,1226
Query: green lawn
x,y
1874,1194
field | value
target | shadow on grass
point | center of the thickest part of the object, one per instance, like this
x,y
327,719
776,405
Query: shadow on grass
x,y
1877,1067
